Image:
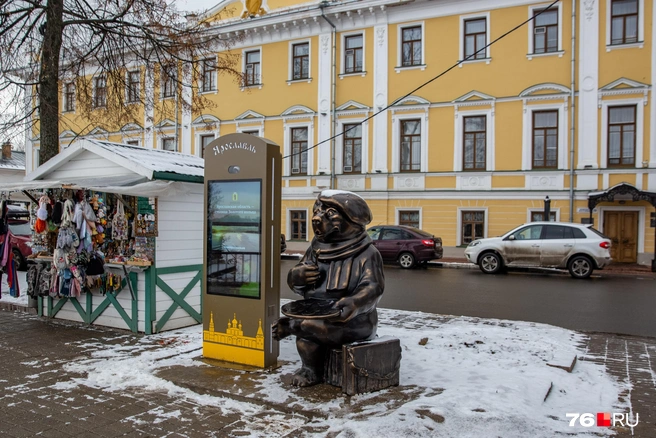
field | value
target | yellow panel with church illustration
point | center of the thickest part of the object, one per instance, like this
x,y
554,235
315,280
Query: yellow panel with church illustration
x,y
232,345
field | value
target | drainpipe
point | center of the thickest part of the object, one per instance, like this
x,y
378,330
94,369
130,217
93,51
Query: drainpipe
x,y
333,85
572,114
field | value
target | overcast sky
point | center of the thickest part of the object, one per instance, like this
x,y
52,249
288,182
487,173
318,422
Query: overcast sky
x,y
195,5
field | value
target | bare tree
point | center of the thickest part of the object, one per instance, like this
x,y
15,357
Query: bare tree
x,y
103,55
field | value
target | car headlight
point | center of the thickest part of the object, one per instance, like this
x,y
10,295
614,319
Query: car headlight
x,y
474,243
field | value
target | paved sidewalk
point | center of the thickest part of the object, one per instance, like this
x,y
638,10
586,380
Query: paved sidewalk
x,y
38,396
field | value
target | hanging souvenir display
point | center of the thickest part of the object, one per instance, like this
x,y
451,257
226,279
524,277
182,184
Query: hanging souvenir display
x,y
119,223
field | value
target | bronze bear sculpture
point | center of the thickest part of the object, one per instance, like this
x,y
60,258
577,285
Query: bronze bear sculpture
x,y
342,268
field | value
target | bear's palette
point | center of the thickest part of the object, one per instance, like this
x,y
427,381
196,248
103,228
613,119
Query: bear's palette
x,y
310,309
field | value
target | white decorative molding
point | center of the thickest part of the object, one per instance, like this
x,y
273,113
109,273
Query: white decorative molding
x,y
380,36
380,138
588,78
480,98
628,87
589,6
250,114
474,182
410,182
556,88
551,181
351,182
325,43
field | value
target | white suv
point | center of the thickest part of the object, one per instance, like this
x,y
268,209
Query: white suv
x,y
579,248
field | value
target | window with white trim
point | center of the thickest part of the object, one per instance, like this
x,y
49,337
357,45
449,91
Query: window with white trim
x,y
208,75
352,148
622,132
205,139
169,80
298,224
99,92
474,37
132,142
411,218
621,135
301,61
625,23
545,31
69,97
545,139
411,46
624,16
133,86
252,68
299,153
474,140
410,141
168,144
353,53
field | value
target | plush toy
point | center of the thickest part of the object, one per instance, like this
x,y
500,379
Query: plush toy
x,y
40,225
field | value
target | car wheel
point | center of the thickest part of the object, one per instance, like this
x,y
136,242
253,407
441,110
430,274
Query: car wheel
x,y
490,263
406,260
21,264
580,267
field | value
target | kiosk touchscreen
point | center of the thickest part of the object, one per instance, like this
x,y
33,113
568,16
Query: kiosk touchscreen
x,y
241,297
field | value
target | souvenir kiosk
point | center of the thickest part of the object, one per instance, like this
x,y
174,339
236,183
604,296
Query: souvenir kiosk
x,y
143,214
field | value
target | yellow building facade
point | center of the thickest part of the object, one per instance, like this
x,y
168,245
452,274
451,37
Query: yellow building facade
x,y
438,113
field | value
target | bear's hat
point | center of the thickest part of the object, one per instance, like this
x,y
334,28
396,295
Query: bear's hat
x,y
349,204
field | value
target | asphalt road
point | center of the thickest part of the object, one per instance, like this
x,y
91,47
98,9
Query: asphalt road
x,y
619,304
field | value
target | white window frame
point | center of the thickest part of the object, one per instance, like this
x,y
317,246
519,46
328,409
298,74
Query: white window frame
x,y
563,138
640,124
198,140
398,210
641,28
128,140
339,145
163,139
489,137
36,157
163,81
460,210
93,91
288,225
214,74
399,45
246,129
64,98
556,211
290,61
342,64
287,142
127,87
243,66
396,140
488,25
531,30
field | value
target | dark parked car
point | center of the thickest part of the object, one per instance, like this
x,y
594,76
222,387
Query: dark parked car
x,y
18,220
406,245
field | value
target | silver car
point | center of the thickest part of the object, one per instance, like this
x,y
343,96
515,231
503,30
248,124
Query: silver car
x,y
579,248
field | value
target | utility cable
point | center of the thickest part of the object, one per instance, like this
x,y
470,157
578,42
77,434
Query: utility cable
x,y
430,80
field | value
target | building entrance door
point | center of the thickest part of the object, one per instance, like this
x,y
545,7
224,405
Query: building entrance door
x,y
621,227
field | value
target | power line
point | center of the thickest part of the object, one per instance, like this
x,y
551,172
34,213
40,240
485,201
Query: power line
x,y
430,80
